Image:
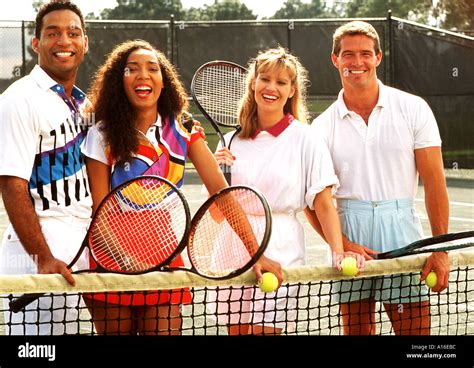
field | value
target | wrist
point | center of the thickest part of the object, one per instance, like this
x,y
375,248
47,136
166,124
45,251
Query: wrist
x,y
43,258
345,243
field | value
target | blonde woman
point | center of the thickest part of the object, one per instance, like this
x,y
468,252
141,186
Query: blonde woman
x,y
276,153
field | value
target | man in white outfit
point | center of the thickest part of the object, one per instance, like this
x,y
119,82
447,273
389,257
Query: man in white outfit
x,y
43,179
381,139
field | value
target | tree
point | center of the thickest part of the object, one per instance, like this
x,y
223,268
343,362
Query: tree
x,y
296,9
450,14
144,10
222,10
455,14
418,10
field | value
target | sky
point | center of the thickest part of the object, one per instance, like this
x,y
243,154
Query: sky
x,y
22,9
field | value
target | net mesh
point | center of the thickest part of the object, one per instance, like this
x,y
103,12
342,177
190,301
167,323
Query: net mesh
x,y
308,304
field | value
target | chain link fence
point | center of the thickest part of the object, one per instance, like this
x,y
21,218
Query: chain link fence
x,y
429,62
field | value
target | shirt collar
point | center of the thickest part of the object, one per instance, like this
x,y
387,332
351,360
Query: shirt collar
x,y
158,122
76,93
46,82
381,102
279,127
383,96
42,78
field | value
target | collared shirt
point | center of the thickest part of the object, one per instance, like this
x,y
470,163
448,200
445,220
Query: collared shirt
x,y
40,135
161,151
376,161
290,167
278,128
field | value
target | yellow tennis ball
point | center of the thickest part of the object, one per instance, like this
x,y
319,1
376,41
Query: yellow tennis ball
x,y
349,266
269,282
431,280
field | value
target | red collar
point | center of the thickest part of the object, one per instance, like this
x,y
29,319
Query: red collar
x,y
279,127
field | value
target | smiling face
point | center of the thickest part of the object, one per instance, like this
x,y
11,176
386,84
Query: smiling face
x,y
143,80
357,61
61,46
272,89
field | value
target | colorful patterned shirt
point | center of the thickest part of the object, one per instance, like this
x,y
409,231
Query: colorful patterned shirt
x,y
162,151
41,131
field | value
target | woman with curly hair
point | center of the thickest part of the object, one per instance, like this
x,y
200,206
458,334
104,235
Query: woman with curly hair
x,y
138,101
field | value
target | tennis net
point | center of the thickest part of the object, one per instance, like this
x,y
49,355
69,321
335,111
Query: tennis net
x,y
309,304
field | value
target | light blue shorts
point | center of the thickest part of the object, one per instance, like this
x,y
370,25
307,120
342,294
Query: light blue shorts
x,y
381,226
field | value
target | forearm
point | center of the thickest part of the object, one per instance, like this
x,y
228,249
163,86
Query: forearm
x,y
207,167
329,220
316,225
314,222
23,217
437,206
99,181
429,163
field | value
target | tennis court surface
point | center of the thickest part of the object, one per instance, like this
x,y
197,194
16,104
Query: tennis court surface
x,y
316,287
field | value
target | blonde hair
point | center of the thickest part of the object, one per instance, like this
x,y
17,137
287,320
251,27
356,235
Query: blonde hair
x,y
274,59
353,28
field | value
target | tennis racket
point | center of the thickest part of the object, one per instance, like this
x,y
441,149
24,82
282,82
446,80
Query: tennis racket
x,y
229,233
217,88
138,227
441,243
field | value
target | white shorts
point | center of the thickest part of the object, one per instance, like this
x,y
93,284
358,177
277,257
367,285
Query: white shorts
x,y
50,315
382,226
248,305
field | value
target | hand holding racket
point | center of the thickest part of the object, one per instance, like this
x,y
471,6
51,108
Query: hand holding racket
x,y
217,88
229,234
440,243
137,227
438,261
144,223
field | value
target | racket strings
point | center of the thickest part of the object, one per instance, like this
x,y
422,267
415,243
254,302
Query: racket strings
x,y
228,234
218,89
139,227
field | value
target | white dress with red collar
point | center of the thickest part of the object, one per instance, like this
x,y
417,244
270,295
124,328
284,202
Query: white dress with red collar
x,y
289,166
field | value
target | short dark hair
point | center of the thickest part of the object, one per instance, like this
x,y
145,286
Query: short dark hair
x,y
53,6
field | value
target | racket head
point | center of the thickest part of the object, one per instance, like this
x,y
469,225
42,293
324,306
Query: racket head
x,y
215,246
217,88
440,243
139,226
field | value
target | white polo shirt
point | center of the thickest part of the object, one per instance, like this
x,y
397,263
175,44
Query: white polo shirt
x,y
40,137
376,161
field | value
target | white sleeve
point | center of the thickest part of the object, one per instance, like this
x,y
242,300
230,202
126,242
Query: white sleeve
x,y
321,127
19,133
94,145
320,169
426,128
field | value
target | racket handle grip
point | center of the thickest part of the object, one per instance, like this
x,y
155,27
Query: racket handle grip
x,y
20,303
227,174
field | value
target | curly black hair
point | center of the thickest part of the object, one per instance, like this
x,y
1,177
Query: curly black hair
x,y
112,108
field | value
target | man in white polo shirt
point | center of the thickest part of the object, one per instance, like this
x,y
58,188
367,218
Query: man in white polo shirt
x,y
42,173
380,140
